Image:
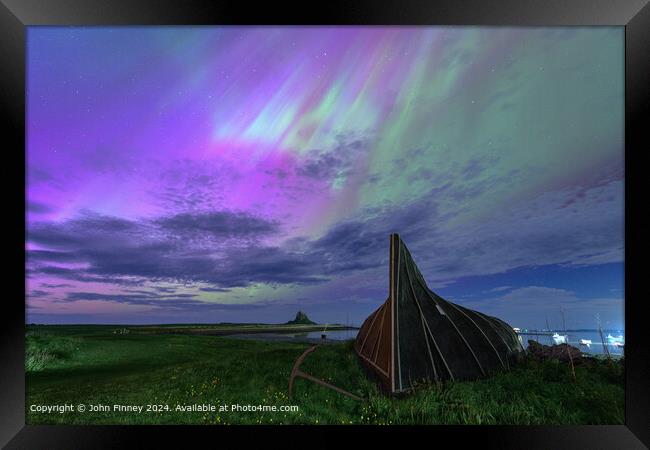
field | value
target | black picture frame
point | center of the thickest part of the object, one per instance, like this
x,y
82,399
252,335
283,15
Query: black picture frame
x,y
16,15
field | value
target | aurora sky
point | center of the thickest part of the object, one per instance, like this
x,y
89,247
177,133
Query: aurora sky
x,y
208,174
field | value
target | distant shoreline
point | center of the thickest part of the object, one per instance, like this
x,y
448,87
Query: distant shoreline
x,y
229,330
256,324
215,329
581,330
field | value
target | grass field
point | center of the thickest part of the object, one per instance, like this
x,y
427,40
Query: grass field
x,y
93,365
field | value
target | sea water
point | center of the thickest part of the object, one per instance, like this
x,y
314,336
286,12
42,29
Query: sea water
x,y
595,348
573,338
337,335
312,336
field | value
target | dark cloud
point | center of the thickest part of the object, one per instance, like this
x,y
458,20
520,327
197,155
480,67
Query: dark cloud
x,y
168,303
132,298
421,174
163,260
54,286
128,252
271,265
277,173
121,298
82,275
322,166
140,291
36,176
38,208
541,232
213,289
76,233
155,294
220,223
164,289
473,168
53,256
38,294
339,161
193,185
373,179
51,270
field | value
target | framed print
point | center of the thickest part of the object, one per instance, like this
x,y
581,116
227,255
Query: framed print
x,y
355,218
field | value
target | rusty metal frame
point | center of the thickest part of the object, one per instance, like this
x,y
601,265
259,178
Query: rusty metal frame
x,y
296,372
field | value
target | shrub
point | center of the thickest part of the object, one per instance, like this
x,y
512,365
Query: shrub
x,y
44,350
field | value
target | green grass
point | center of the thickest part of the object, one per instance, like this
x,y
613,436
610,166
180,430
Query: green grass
x,y
92,365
